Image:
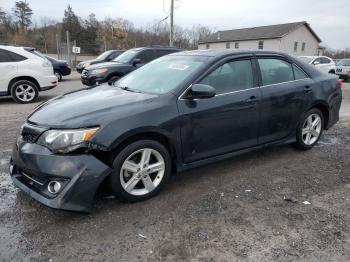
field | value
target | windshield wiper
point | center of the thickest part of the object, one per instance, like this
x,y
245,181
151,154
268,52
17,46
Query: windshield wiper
x,y
128,89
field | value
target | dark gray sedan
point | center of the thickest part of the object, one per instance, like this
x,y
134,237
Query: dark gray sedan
x,y
177,112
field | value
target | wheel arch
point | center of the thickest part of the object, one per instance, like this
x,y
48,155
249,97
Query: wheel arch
x,y
19,78
323,107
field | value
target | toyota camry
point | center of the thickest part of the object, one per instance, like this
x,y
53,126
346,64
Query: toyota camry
x,y
178,112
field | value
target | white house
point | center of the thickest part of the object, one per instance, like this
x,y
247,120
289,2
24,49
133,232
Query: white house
x,y
295,38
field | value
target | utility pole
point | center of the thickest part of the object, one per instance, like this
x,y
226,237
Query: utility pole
x,y
75,54
68,49
58,47
171,23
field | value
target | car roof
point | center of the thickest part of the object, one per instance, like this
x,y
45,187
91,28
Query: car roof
x,y
217,53
155,48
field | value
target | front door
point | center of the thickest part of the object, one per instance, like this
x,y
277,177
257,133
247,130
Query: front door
x,y
224,123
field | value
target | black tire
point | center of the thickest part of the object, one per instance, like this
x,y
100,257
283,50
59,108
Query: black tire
x,y
300,143
112,79
32,93
58,75
115,178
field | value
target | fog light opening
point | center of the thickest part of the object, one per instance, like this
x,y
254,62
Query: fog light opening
x,y
54,187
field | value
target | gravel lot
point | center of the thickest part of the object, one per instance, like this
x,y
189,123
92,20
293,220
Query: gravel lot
x,y
234,210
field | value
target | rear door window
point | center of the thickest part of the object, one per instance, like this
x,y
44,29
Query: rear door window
x,y
146,56
274,71
230,77
325,60
298,73
8,56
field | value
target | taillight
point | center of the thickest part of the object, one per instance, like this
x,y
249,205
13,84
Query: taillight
x,y
340,83
67,65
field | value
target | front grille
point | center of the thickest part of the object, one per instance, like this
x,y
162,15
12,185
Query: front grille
x,y
30,134
29,138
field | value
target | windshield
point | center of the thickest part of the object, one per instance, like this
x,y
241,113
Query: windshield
x,y
104,55
126,57
163,74
306,59
344,62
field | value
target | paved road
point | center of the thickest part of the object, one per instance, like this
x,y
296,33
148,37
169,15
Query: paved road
x,y
229,211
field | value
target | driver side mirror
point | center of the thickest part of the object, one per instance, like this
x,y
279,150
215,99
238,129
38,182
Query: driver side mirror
x,y
201,91
136,61
316,63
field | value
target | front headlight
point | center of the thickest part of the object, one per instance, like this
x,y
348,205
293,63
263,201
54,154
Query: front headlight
x,y
99,71
64,141
86,64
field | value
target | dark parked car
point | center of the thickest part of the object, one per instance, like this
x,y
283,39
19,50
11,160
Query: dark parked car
x,y
123,64
106,56
178,112
60,67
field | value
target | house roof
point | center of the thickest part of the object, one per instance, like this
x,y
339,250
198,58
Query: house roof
x,y
253,33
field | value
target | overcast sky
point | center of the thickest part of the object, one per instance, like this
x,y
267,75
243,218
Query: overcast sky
x,y
329,19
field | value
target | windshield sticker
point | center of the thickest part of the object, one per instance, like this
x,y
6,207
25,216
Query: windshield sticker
x,y
178,67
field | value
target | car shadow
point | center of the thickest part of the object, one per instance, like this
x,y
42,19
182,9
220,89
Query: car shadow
x,y
6,100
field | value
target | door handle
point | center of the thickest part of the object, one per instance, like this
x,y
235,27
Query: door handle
x,y
252,99
307,89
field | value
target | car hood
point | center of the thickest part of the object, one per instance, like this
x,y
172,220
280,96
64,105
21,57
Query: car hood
x,y
89,107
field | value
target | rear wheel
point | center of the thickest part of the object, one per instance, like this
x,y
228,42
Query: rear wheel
x,y
24,91
310,129
140,170
58,75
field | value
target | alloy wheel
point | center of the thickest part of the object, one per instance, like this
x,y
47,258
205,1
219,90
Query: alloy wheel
x,y
25,92
312,128
142,171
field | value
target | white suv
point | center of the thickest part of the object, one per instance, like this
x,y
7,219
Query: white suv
x,y
24,72
323,63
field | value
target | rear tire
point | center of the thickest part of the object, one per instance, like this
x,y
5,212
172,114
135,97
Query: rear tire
x,y
24,91
58,75
309,130
140,170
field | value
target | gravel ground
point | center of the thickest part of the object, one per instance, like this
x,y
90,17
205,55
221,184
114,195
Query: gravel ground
x,y
248,208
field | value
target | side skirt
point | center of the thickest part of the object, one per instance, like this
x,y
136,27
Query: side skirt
x,y
186,166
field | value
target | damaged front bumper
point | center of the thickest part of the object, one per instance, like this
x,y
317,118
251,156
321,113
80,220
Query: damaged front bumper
x,y
33,167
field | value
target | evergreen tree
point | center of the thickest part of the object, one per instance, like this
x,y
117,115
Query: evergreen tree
x,y
71,24
23,14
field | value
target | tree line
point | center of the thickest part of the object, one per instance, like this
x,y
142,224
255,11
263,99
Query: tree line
x,y
92,35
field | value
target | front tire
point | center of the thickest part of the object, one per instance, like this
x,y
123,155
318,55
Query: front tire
x,y
140,170
309,129
24,91
113,79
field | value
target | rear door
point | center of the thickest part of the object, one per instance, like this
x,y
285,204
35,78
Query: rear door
x,y
285,93
326,64
224,123
145,56
8,67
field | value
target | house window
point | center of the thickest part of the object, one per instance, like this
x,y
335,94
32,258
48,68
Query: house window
x,y
237,45
228,45
207,46
295,46
261,45
303,46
